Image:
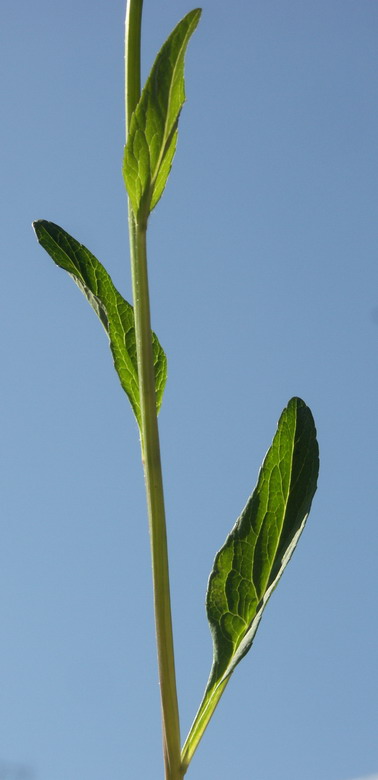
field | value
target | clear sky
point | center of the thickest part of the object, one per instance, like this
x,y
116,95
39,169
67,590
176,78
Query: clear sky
x,y
263,263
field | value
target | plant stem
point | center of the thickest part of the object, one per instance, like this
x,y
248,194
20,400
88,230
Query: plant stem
x,y
150,433
133,26
156,513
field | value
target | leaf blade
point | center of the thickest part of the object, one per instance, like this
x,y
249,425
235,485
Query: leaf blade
x,y
276,503
114,312
249,565
152,136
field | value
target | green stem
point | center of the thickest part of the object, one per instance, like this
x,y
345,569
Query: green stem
x,y
156,512
133,27
150,433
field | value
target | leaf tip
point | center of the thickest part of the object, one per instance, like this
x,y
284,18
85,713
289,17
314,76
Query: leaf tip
x,y
38,225
296,401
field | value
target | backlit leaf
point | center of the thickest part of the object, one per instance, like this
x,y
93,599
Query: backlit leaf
x,y
249,565
116,315
152,136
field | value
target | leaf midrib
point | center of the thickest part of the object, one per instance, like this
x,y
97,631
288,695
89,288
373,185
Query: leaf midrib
x,y
167,137
229,668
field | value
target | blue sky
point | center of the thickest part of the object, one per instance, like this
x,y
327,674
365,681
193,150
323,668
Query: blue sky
x,y
263,265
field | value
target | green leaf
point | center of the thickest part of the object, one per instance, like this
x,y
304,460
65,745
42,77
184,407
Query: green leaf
x,y
116,315
250,563
152,137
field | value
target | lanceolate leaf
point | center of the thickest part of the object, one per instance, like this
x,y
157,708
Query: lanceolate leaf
x,y
116,315
152,136
250,563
